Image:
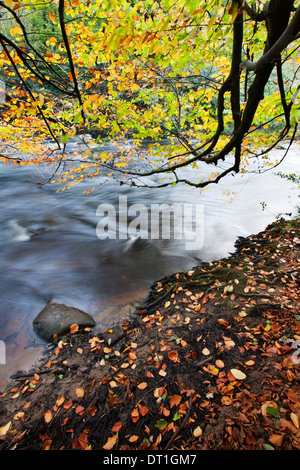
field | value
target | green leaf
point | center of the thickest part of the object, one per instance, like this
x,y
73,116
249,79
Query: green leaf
x,y
161,423
268,447
177,416
273,412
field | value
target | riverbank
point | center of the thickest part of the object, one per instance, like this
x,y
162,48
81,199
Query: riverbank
x,y
210,362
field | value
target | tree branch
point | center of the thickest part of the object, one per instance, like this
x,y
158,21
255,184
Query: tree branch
x,y
69,53
273,54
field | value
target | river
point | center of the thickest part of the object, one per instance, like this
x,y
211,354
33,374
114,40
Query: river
x,y
50,248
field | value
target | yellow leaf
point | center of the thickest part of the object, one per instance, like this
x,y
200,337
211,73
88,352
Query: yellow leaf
x,y
8,3
110,442
115,22
5,429
197,432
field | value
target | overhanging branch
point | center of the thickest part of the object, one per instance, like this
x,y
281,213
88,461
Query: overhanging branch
x,y
273,54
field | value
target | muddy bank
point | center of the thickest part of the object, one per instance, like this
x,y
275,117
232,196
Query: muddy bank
x,y
210,362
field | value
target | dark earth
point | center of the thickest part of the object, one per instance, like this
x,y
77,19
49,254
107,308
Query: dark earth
x,y
210,362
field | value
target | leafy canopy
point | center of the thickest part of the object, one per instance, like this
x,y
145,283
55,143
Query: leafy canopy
x,y
218,79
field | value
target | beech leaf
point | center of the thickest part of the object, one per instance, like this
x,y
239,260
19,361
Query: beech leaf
x,y
111,441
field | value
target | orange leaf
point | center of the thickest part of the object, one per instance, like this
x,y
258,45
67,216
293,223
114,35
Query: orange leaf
x,y
133,438
143,410
142,385
135,416
173,356
175,400
68,404
60,401
226,400
276,439
79,392
51,16
74,328
117,426
110,442
79,410
47,416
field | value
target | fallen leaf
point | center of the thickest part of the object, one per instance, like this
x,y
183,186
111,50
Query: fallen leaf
x,y
295,420
197,431
133,438
175,400
117,426
143,410
74,328
161,423
173,356
226,400
79,410
68,404
219,363
162,373
205,352
5,429
135,416
142,386
19,416
250,362
111,441
79,392
276,439
47,416
60,401
238,374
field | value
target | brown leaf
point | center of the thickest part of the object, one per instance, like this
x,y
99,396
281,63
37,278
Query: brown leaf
x,y
173,356
175,400
117,426
276,439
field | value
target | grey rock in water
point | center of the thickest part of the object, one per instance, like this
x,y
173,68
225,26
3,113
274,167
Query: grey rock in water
x,y
57,318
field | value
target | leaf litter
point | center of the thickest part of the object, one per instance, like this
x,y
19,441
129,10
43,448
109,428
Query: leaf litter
x,y
210,362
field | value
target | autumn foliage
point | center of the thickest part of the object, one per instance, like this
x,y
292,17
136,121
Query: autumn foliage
x,y
218,79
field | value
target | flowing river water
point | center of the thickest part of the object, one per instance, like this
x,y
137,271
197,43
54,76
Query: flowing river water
x,y
49,248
